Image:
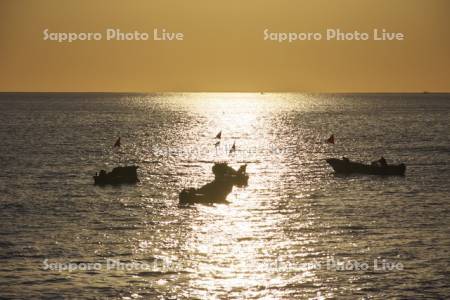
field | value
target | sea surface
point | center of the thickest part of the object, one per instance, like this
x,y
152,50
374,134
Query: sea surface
x,y
297,231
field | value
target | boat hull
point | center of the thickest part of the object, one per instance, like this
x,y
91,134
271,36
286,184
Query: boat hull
x,y
119,175
348,167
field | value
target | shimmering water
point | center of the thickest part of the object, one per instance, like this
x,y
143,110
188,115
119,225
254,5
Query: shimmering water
x,y
279,236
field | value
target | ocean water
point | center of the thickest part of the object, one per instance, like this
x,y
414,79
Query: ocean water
x,y
296,232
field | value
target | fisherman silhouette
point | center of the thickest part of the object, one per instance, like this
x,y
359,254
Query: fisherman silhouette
x,y
381,162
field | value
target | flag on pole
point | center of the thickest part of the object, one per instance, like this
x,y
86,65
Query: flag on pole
x,y
330,140
117,143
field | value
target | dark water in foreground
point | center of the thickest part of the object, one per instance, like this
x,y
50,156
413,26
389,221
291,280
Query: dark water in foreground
x,y
279,237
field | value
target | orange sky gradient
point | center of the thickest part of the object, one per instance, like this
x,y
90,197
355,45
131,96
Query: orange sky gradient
x,y
224,48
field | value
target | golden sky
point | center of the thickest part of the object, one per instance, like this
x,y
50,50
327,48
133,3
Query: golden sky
x,y
223,48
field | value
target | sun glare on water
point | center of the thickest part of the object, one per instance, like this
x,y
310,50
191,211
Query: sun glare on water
x,y
242,246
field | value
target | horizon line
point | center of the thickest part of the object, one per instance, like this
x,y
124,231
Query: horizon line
x,y
213,92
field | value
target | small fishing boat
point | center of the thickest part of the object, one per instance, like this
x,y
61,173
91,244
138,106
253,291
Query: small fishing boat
x,y
217,190
119,175
345,166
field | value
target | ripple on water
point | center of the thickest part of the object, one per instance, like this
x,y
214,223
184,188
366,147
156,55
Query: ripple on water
x,y
294,211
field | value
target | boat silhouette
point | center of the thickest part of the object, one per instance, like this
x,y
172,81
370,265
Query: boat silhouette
x,y
345,166
217,190
119,175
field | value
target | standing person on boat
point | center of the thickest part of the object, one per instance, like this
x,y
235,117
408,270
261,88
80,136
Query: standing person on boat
x,y
380,163
383,162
